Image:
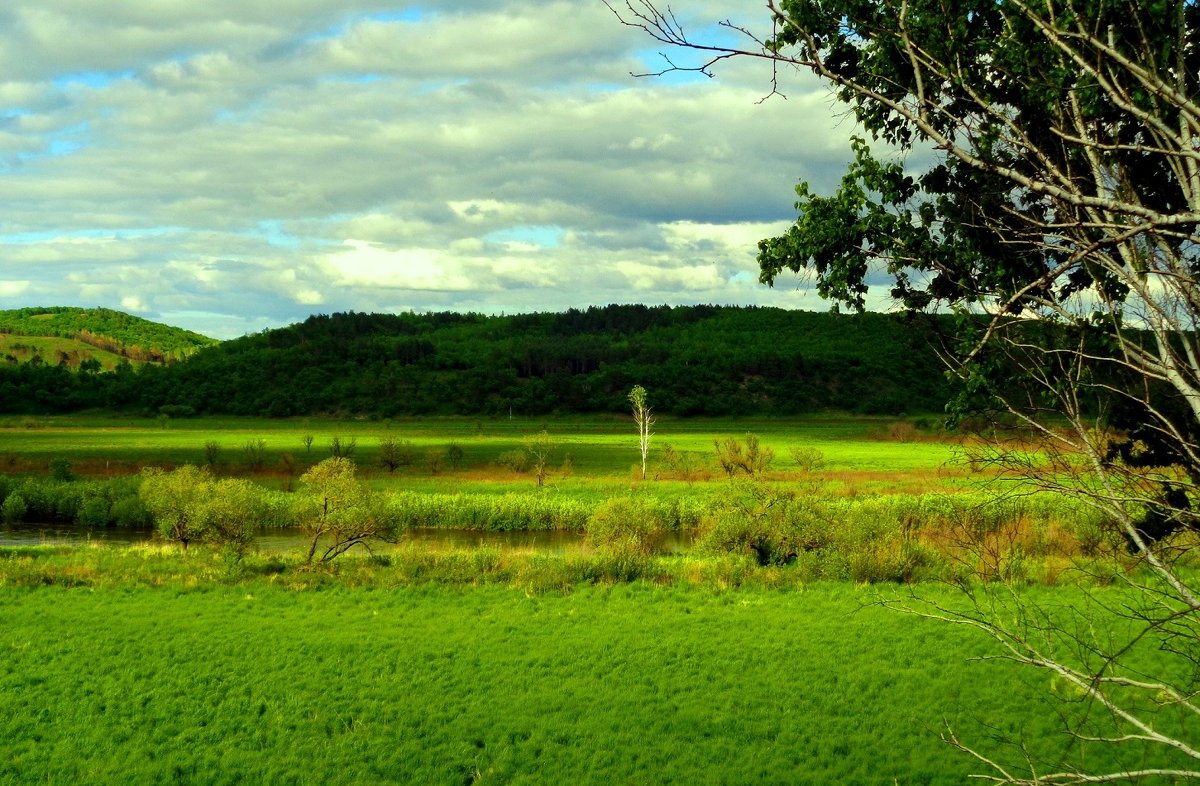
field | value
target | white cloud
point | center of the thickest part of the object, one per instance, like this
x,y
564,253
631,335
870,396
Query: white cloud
x,y
9,288
134,303
361,264
237,166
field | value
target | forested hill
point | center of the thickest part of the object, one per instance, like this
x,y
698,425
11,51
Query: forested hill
x,y
692,360
700,360
114,332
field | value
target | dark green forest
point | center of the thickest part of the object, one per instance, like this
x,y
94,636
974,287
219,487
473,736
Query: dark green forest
x,y
695,360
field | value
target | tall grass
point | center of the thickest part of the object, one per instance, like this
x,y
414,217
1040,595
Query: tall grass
x,y
632,683
882,538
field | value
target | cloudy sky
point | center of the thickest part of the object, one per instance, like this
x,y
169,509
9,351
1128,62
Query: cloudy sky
x,y
232,165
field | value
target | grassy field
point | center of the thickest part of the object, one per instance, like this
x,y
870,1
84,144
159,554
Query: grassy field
x,y
50,349
592,456
258,682
481,665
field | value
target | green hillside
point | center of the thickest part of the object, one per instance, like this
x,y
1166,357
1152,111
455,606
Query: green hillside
x,y
71,352
72,336
693,360
696,360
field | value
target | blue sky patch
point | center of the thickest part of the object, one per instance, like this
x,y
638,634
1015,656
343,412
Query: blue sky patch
x,y
91,79
544,236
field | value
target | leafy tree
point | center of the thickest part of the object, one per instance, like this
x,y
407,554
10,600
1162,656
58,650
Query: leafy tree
x,y
394,453
1060,219
190,505
175,500
753,458
538,448
338,512
234,510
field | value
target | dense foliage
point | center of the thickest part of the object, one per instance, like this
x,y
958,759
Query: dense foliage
x,y
701,360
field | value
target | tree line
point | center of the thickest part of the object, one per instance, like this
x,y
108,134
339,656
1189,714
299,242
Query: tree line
x,y
695,360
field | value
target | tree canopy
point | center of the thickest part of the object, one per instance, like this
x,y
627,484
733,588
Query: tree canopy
x,y
697,360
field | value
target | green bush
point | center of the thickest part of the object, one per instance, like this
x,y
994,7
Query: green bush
x,y
60,470
129,512
14,508
774,527
94,511
516,460
626,526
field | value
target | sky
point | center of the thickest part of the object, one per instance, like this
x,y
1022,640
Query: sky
x,y
235,165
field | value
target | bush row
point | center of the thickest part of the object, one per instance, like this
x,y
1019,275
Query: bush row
x,y
864,539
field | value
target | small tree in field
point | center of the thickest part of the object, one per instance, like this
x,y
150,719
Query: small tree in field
x,y
232,510
175,500
538,448
190,505
753,458
389,453
644,419
337,512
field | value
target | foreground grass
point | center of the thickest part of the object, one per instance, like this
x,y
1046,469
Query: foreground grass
x,y
155,668
629,684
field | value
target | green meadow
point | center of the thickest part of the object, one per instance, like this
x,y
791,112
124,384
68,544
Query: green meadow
x,y
334,682
872,454
603,662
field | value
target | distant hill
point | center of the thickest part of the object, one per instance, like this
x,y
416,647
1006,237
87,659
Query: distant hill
x,y
695,360
72,336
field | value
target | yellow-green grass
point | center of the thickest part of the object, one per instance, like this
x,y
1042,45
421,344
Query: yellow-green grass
x,y
324,681
595,456
23,348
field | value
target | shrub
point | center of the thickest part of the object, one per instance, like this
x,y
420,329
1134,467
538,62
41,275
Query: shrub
x,y
808,459
94,511
129,512
753,458
13,509
626,525
772,526
254,453
60,470
341,448
516,460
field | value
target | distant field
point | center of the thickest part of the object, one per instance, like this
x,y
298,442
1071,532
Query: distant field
x,y
593,454
610,685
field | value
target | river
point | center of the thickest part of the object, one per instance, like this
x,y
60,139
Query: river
x,y
278,541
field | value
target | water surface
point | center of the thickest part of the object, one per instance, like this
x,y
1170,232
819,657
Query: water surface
x,y
279,541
